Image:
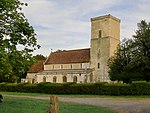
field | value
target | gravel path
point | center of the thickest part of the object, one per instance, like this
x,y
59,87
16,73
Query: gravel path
x,y
120,105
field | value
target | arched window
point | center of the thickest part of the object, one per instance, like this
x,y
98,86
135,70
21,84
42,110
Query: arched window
x,y
64,79
75,79
33,81
54,79
44,79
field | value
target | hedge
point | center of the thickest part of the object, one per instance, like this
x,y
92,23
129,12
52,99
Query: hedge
x,y
135,88
140,88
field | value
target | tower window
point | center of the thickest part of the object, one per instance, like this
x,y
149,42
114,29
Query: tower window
x,y
98,65
99,54
100,33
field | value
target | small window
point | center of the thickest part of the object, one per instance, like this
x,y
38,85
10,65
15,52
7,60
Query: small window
x,y
61,66
81,66
99,50
100,33
53,66
71,66
98,65
99,54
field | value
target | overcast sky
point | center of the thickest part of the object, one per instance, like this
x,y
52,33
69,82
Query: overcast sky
x,y
65,24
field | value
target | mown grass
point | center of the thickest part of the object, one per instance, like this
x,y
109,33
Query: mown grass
x,y
22,105
26,105
79,108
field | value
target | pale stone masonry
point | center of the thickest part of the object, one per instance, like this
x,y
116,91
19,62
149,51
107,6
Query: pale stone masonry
x,y
105,37
83,65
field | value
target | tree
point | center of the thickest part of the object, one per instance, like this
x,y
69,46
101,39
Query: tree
x,y
132,60
39,57
17,40
118,64
142,51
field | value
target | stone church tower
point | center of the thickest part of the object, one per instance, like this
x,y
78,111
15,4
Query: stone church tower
x,y
81,65
105,37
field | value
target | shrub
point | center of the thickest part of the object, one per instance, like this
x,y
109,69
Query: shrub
x,y
140,88
116,89
135,88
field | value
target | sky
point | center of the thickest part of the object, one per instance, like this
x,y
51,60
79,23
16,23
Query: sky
x,y
66,25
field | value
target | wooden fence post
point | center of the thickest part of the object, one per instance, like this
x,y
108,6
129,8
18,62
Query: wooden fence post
x,y
54,104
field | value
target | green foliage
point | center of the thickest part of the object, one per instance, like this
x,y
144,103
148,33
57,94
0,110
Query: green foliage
x,y
142,53
135,88
39,57
116,89
132,59
118,64
15,32
140,88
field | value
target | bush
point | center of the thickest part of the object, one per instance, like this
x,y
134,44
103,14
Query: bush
x,y
116,89
135,88
140,88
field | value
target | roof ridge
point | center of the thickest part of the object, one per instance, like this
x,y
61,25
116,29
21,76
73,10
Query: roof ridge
x,y
71,50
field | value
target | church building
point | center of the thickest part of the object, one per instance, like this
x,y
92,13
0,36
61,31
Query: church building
x,y
87,65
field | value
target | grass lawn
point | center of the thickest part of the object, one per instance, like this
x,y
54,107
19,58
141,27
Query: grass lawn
x,y
23,105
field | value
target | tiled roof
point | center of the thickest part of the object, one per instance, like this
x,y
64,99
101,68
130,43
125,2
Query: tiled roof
x,y
37,67
70,56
